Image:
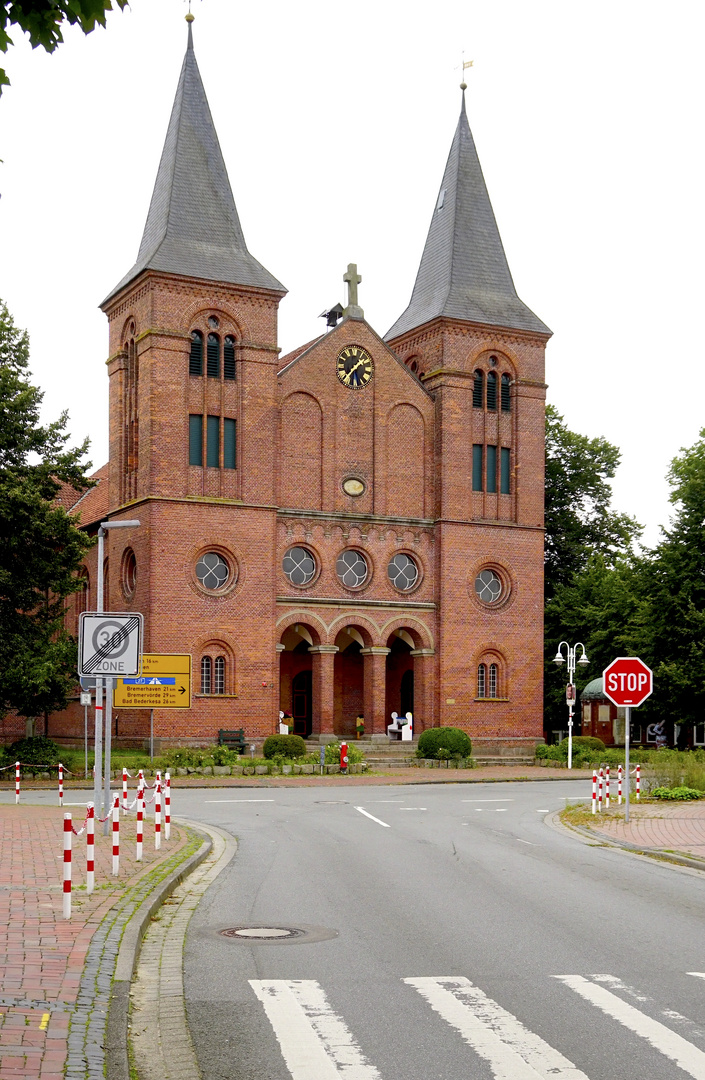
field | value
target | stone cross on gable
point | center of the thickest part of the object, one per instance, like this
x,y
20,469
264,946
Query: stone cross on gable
x,y
353,279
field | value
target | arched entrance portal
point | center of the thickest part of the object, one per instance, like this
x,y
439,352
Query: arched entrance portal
x,y
349,681
295,677
400,674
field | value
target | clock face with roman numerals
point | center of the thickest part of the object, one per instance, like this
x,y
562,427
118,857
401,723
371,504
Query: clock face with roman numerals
x,y
354,367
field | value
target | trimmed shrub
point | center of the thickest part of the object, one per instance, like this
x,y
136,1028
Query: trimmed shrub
x,y
289,746
583,745
679,793
37,751
451,739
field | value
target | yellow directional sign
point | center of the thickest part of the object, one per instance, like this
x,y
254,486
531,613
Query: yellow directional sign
x,y
165,683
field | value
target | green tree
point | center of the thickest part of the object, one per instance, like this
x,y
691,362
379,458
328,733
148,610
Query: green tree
x,y
41,547
42,21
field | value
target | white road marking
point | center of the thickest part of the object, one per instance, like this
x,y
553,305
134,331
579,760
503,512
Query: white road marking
x,y
412,807
487,800
543,811
512,1051
686,1056
314,1041
360,810
493,810
526,842
237,800
697,974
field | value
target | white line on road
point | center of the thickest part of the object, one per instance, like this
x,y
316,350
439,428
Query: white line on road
x,y
697,974
673,1046
315,1043
412,807
494,810
512,1051
361,811
543,811
526,842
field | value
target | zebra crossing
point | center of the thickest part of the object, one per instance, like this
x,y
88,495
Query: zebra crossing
x,y
317,1044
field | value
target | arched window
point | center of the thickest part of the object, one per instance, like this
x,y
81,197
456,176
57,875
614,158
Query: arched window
x,y
206,674
493,681
229,358
492,390
477,389
481,680
505,394
219,687
195,364
213,357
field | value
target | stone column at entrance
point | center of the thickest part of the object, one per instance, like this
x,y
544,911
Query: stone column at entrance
x,y
323,688
375,689
423,689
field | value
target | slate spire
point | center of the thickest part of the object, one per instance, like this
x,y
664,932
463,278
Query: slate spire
x,y
464,272
193,226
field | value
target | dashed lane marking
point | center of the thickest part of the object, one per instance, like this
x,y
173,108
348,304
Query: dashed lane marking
x,y
372,818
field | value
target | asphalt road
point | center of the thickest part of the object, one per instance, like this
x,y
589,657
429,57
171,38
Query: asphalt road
x,y
450,934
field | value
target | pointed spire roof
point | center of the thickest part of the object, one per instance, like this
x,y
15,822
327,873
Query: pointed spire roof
x,y
193,226
464,272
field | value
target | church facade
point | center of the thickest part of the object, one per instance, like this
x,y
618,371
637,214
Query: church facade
x,y
354,528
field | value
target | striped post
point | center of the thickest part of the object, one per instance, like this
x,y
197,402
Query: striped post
x,y
116,837
594,791
638,782
140,820
600,780
17,782
67,865
167,807
124,788
607,787
140,781
90,849
158,815
61,784
619,785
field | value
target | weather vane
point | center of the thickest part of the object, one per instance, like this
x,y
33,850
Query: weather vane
x,y
465,64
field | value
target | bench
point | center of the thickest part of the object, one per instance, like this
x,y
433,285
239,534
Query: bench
x,y
234,740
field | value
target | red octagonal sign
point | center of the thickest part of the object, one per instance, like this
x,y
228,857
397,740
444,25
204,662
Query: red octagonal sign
x,y
628,681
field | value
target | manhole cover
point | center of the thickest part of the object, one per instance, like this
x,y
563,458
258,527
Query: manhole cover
x,y
248,934
265,933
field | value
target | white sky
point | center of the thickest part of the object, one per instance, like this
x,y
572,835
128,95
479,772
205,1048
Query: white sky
x,y
335,120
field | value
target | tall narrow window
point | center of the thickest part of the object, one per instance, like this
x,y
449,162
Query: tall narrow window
x,y
477,467
228,444
493,681
195,364
229,358
481,680
505,394
491,389
491,468
219,687
477,388
206,674
195,439
213,442
504,462
213,356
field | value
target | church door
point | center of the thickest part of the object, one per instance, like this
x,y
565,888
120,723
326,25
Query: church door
x,y
407,693
301,703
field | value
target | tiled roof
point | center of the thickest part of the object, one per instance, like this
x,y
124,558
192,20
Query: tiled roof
x,y
95,504
193,226
296,353
464,272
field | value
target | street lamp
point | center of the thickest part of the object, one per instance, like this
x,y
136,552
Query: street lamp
x,y
560,659
98,744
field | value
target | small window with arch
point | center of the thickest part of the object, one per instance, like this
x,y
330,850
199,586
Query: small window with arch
x,y
505,393
213,357
229,357
491,391
481,680
195,364
206,674
219,682
478,389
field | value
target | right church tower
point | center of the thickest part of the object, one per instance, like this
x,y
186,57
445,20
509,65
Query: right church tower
x,y
479,351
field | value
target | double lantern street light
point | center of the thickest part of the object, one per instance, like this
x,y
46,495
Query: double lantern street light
x,y
570,689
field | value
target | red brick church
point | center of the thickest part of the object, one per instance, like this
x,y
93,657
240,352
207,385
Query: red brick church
x,y
356,527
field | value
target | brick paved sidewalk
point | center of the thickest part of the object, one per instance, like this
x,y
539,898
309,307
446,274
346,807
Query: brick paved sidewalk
x,y
672,827
42,956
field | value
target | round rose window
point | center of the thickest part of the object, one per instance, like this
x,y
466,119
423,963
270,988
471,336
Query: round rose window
x,y
351,569
488,586
299,565
403,572
212,571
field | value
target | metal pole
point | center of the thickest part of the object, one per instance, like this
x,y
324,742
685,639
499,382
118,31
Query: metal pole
x,y
571,676
151,734
108,739
98,742
627,732
85,735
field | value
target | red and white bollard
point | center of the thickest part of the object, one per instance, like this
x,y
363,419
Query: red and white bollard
x,y
638,782
619,785
607,787
68,829
61,784
594,791
140,821
599,791
167,807
140,781
90,849
124,788
158,815
116,836
17,781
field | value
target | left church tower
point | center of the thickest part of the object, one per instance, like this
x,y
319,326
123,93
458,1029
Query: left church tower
x,y
193,420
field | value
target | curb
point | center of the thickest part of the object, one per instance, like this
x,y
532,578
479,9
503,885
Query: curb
x,y
658,854
117,1065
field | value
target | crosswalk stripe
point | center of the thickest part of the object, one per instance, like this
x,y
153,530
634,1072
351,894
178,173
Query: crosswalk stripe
x,y
316,1043
668,1042
512,1051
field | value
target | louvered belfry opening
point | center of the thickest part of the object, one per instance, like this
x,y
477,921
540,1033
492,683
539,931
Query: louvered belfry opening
x,y
130,432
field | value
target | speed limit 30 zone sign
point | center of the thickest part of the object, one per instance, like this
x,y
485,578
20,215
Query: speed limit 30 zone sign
x,y
110,643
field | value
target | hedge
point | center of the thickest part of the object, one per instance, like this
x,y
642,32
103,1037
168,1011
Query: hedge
x,y
451,739
289,746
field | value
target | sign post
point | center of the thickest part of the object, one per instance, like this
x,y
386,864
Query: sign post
x,y
627,682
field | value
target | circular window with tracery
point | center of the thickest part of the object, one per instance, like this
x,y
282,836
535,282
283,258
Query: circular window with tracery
x,y
299,565
352,569
403,572
212,571
488,587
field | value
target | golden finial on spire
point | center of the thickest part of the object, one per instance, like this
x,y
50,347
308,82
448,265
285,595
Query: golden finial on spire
x,y
189,17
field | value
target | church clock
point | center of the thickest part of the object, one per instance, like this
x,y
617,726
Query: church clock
x,y
354,366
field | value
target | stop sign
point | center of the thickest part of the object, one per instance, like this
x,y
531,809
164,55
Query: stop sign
x,y
628,681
